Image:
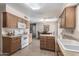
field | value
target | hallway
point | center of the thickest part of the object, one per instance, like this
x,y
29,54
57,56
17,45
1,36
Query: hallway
x,y
33,50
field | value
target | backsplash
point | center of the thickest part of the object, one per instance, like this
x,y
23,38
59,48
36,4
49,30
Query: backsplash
x,y
69,31
5,31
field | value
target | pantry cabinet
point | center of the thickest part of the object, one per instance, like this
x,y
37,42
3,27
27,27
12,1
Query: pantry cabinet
x,y
68,17
11,44
9,20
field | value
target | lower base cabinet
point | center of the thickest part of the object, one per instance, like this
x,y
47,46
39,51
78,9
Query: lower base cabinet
x,y
47,42
59,52
11,45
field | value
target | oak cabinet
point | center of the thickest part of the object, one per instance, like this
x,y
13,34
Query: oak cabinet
x,y
68,17
58,50
9,20
47,42
11,45
27,24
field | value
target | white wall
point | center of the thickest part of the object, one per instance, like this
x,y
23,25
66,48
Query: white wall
x,y
39,27
7,8
2,7
77,18
34,20
15,12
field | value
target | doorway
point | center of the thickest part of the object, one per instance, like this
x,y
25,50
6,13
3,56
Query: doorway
x,y
33,29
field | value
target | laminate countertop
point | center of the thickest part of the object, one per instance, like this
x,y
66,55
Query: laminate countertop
x,y
20,35
69,47
12,36
46,35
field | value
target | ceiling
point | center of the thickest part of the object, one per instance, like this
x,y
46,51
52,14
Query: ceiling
x,y
47,10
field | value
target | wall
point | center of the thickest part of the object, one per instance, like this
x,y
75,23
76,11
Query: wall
x,y
77,18
15,12
0,32
2,7
39,27
34,20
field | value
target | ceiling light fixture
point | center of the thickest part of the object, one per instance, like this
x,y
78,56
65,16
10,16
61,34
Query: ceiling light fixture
x,y
33,6
46,20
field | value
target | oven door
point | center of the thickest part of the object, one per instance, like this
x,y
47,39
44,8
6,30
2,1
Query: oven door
x,y
24,42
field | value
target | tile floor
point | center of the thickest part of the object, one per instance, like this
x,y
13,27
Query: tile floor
x,y
33,50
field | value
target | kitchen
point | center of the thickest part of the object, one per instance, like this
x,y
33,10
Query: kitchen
x,y
56,35
15,31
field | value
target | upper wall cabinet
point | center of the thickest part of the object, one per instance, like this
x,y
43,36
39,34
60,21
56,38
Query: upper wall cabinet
x,y
25,21
27,24
68,17
9,20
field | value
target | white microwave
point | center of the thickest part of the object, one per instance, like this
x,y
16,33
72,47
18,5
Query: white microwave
x,y
21,25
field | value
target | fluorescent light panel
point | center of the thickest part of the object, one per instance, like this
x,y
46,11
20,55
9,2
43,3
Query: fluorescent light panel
x,y
53,19
33,6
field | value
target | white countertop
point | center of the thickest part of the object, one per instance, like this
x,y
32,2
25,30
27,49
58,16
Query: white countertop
x,y
11,36
46,35
68,46
19,35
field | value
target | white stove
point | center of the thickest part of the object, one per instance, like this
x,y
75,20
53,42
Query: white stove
x,y
24,41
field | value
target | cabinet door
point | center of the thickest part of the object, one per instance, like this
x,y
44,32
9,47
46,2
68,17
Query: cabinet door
x,y
27,24
50,43
58,50
47,43
6,45
12,20
15,44
42,42
18,43
9,20
70,17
